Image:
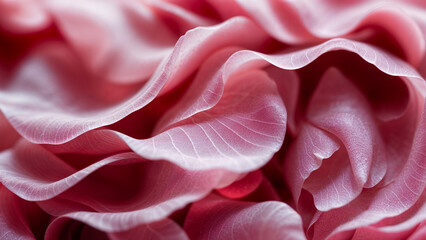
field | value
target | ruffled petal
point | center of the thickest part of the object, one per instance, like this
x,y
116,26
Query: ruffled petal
x,y
217,218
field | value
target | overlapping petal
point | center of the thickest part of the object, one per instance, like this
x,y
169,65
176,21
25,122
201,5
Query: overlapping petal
x,y
380,203
62,109
218,218
63,228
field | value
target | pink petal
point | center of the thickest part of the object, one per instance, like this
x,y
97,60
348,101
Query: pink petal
x,y
65,228
217,218
163,230
337,107
23,16
9,135
178,17
397,227
299,22
280,19
243,60
73,109
114,194
288,84
23,170
11,222
17,217
420,232
306,155
380,203
240,133
121,41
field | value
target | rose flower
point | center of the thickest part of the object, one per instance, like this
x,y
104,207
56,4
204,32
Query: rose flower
x,y
212,119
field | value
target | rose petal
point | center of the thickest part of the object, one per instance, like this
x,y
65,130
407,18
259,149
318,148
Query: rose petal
x,y
380,203
242,187
35,174
10,136
24,171
11,217
217,218
288,84
338,107
306,155
61,103
63,228
398,227
240,133
165,230
121,41
23,16
19,219
299,22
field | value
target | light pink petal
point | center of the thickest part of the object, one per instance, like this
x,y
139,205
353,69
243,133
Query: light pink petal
x,y
299,22
398,134
61,101
397,227
337,107
384,61
377,204
204,92
12,224
23,16
94,142
420,232
121,41
240,133
246,60
218,218
114,194
19,219
306,155
280,19
235,64
35,174
177,17
162,189
44,127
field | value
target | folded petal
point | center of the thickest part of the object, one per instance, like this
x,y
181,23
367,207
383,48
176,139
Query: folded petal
x,y
23,16
52,80
65,228
379,203
300,22
242,187
19,219
10,136
114,194
305,155
23,170
398,227
121,41
218,218
240,133
163,230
